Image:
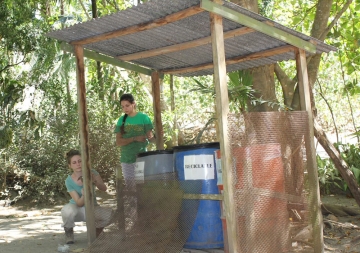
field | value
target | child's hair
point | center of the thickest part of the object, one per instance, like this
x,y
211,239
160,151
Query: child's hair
x,y
130,99
71,153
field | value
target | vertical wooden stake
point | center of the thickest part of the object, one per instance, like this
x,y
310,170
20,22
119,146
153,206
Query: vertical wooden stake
x,y
314,196
157,110
84,140
172,94
222,104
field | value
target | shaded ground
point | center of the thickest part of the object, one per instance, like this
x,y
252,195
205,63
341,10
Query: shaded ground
x,y
24,230
341,233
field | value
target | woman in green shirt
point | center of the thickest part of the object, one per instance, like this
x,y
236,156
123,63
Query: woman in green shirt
x,y
133,133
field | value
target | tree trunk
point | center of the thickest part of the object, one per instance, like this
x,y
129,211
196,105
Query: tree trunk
x,y
98,64
264,84
263,77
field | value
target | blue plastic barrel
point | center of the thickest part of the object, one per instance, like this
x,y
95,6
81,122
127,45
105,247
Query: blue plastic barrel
x,y
158,164
195,166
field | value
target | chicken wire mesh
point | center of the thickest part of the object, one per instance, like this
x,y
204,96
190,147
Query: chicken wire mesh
x,y
165,213
176,208
270,155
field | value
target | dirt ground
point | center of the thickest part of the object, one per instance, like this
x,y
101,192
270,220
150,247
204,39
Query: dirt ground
x,y
25,230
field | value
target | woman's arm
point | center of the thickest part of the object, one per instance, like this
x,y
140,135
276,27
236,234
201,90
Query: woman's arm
x,y
80,202
120,141
98,182
150,136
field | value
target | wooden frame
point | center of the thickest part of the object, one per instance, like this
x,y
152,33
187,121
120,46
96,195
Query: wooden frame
x,y
314,197
217,12
84,140
222,111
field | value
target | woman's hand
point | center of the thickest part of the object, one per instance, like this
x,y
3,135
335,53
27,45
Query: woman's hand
x,y
140,138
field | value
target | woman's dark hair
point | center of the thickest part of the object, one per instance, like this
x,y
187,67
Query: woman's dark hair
x,y
71,153
130,99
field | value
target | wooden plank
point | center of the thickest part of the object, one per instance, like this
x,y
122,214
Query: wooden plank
x,y
257,25
172,106
269,193
314,193
141,27
238,59
84,140
107,59
183,46
157,110
222,104
203,196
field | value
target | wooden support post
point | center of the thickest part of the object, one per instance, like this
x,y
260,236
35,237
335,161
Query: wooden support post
x,y
172,97
314,194
155,79
222,103
84,140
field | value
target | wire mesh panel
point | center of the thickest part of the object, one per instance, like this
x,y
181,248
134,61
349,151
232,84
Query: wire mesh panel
x,y
166,213
269,169
173,208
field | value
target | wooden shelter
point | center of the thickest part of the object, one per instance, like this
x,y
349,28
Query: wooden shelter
x,y
190,38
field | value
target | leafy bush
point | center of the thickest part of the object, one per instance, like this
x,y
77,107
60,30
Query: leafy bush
x,y
351,155
38,166
328,175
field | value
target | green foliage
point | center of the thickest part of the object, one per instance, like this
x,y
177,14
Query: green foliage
x,y
351,155
328,174
352,87
240,89
104,154
6,136
43,162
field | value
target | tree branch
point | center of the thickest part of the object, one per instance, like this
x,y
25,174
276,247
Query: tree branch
x,y
12,65
335,20
86,13
330,109
287,84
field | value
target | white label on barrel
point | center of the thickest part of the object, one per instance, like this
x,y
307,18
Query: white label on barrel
x,y
139,172
199,167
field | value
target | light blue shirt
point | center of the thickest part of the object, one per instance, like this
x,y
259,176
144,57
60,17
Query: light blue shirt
x,y
72,186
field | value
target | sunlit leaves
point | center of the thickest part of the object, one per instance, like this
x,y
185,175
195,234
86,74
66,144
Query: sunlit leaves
x,y
353,87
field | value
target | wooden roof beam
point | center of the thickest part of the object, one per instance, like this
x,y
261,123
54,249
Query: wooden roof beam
x,y
183,46
108,59
141,27
262,27
249,57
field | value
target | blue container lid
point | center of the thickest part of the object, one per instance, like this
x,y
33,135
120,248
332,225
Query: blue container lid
x,y
155,152
198,146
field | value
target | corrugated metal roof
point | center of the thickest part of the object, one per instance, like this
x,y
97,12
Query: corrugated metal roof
x,y
185,30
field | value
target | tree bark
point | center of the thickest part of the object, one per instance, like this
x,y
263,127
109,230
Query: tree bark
x,y
251,5
287,85
263,77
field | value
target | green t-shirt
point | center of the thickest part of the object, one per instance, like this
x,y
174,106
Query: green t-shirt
x,y
72,186
137,125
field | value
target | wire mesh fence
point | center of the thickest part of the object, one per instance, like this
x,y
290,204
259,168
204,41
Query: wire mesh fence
x,y
177,207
